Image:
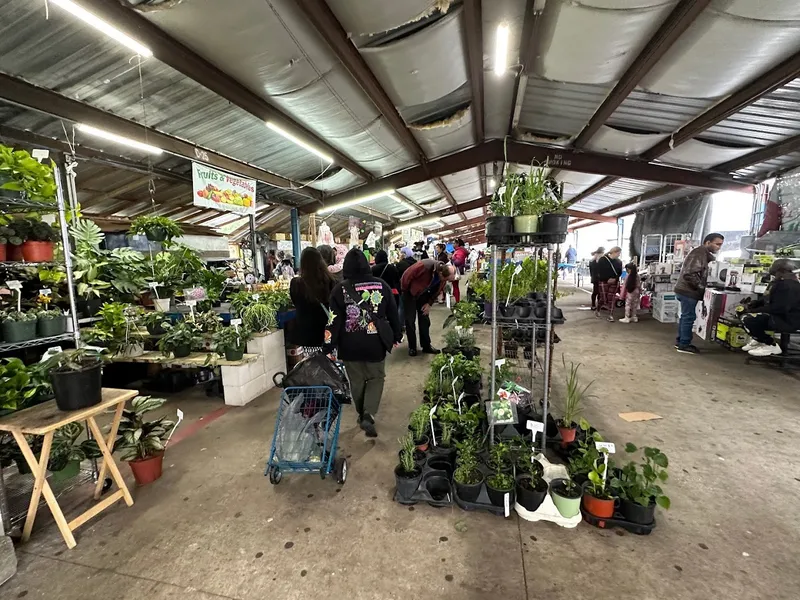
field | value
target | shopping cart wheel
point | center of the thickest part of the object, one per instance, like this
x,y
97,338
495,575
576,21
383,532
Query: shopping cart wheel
x,y
275,475
340,468
323,472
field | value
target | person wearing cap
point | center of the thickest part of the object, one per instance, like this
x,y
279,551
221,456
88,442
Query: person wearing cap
x,y
778,310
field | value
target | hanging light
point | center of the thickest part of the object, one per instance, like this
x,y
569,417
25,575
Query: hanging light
x,y
501,50
280,131
113,137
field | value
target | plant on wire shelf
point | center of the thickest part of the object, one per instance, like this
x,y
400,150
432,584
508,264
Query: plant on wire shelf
x,y
642,483
20,172
180,339
138,439
21,385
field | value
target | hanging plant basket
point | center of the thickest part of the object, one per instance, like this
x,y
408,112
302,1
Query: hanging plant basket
x,y
554,223
526,224
156,234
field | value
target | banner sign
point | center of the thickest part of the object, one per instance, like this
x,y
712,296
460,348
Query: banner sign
x,y
223,191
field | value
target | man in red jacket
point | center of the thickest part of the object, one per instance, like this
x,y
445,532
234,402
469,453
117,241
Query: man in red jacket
x,y
421,284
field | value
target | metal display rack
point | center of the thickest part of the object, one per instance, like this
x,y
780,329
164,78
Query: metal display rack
x,y
547,242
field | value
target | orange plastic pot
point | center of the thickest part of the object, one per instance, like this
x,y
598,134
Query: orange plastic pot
x,y
599,507
147,470
567,435
37,251
14,252
2,252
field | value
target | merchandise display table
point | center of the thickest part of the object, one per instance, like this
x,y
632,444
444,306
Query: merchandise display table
x,y
43,420
194,360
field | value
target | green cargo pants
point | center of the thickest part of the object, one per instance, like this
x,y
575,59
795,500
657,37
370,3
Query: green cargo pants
x,y
366,381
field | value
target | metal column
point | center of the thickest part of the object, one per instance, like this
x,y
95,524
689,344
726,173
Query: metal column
x,y
296,237
62,181
253,248
493,384
548,343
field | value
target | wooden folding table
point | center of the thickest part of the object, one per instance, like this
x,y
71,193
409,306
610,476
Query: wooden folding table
x,y
44,419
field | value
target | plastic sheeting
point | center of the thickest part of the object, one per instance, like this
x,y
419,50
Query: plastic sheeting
x,y
424,66
685,217
702,155
446,136
609,140
771,10
464,185
361,17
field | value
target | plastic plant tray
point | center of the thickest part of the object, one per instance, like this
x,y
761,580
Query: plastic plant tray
x,y
617,521
547,511
422,494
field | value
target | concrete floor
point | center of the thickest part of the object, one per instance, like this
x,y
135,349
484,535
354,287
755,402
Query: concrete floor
x,y
214,527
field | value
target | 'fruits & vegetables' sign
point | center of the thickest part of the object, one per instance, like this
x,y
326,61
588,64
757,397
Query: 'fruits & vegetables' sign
x,y
223,191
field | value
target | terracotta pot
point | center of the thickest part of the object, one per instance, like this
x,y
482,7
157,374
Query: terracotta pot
x,y
422,443
14,252
147,470
2,252
599,507
37,251
567,435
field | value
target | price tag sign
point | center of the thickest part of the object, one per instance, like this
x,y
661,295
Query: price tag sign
x,y
14,284
507,504
454,385
518,270
50,352
45,292
191,303
430,416
154,284
458,401
605,447
535,427
178,422
256,296
499,362
40,154
447,300
236,322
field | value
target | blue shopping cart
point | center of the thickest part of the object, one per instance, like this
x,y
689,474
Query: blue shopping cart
x,y
306,435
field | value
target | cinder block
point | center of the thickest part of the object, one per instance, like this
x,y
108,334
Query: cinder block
x,y
272,350
8,559
239,395
242,374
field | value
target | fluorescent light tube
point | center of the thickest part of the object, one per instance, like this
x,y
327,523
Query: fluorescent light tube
x,y
107,135
501,50
99,24
355,201
299,142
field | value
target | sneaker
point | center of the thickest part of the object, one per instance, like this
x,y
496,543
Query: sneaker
x,y
368,425
430,350
690,349
625,320
751,345
635,319
412,351
610,319
766,350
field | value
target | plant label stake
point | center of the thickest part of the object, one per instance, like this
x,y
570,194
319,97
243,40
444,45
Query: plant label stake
x,y
606,448
452,373
516,272
454,384
51,351
45,292
191,304
535,427
507,503
235,323
430,416
153,285
178,422
458,401
447,300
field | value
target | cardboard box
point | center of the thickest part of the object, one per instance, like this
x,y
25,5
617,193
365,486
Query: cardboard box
x,y
732,334
716,304
661,268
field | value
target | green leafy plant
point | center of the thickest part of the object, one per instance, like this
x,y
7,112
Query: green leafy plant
x,y
118,328
72,360
88,259
42,232
19,384
230,338
147,225
575,394
20,172
467,471
182,334
67,449
260,317
502,204
137,438
583,458
420,421
212,281
499,456
49,314
504,373
597,487
464,314
20,316
208,321
9,236
407,449
641,483
501,481
153,320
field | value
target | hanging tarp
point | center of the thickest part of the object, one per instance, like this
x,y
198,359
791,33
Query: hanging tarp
x,y
689,216
222,191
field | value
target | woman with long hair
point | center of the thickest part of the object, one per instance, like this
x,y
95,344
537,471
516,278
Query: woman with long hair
x,y
310,293
631,293
609,272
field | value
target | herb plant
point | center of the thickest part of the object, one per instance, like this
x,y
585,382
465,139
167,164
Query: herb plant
x,y
500,481
407,449
420,421
467,472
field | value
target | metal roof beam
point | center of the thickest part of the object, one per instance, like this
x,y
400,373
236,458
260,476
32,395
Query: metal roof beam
x,y
678,21
116,192
591,190
48,102
473,24
530,37
787,146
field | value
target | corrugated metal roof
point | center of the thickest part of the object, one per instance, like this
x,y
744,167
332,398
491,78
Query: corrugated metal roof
x,y
648,112
622,189
554,108
770,167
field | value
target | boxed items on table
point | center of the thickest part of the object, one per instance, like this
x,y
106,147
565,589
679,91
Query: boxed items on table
x,y
716,304
666,307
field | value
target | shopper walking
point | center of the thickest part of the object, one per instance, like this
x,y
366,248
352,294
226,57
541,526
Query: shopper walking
x,y
631,293
421,284
364,327
691,287
442,257
778,310
383,269
459,261
310,294
609,271
329,254
593,274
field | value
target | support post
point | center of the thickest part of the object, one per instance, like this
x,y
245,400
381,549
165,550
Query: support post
x,y
62,182
493,387
548,347
253,249
296,238
620,231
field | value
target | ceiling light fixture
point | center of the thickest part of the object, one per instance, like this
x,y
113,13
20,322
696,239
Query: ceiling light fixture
x,y
354,201
432,222
404,202
501,50
100,25
328,159
113,137
492,182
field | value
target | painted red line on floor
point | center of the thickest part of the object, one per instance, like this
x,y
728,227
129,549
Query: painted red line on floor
x,y
190,429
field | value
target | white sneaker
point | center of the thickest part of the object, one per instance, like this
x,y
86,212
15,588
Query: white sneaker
x,y
635,319
766,350
752,344
625,320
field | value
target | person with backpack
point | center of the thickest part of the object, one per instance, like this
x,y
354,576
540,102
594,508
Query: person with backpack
x,y
363,326
421,284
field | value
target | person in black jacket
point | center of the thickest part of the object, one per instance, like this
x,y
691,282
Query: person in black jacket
x,y
310,295
778,311
363,326
593,274
608,271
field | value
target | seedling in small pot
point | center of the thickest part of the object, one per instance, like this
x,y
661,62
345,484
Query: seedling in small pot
x,y
407,474
420,426
575,395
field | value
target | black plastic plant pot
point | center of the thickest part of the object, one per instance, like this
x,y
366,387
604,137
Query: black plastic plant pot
x,y
19,331
51,327
553,223
636,513
522,312
441,453
420,458
438,487
470,353
472,388
89,307
75,390
159,234
497,497
469,492
529,497
499,226
441,463
155,329
181,351
234,353
407,483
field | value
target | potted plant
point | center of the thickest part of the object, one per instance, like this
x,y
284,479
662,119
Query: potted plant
x,y
118,329
51,323
639,486
554,217
142,442
498,484
156,229
19,326
596,498
531,486
467,476
20,386
7,236
76,377
407,474
67,453
180,339
260,317
89,260
447,416
583,453
20,172
38,244
530,200
154,321
502,207
566,495
419,424
575,395
231,342
208,321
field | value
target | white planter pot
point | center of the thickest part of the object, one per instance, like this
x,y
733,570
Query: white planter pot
x,y
133,351
162,304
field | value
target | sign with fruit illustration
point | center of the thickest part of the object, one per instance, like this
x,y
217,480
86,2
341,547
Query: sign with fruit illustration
x,y
223,191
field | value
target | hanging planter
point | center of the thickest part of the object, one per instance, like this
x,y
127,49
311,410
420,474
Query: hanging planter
x,y
554,223
156,229
499,226
526,224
